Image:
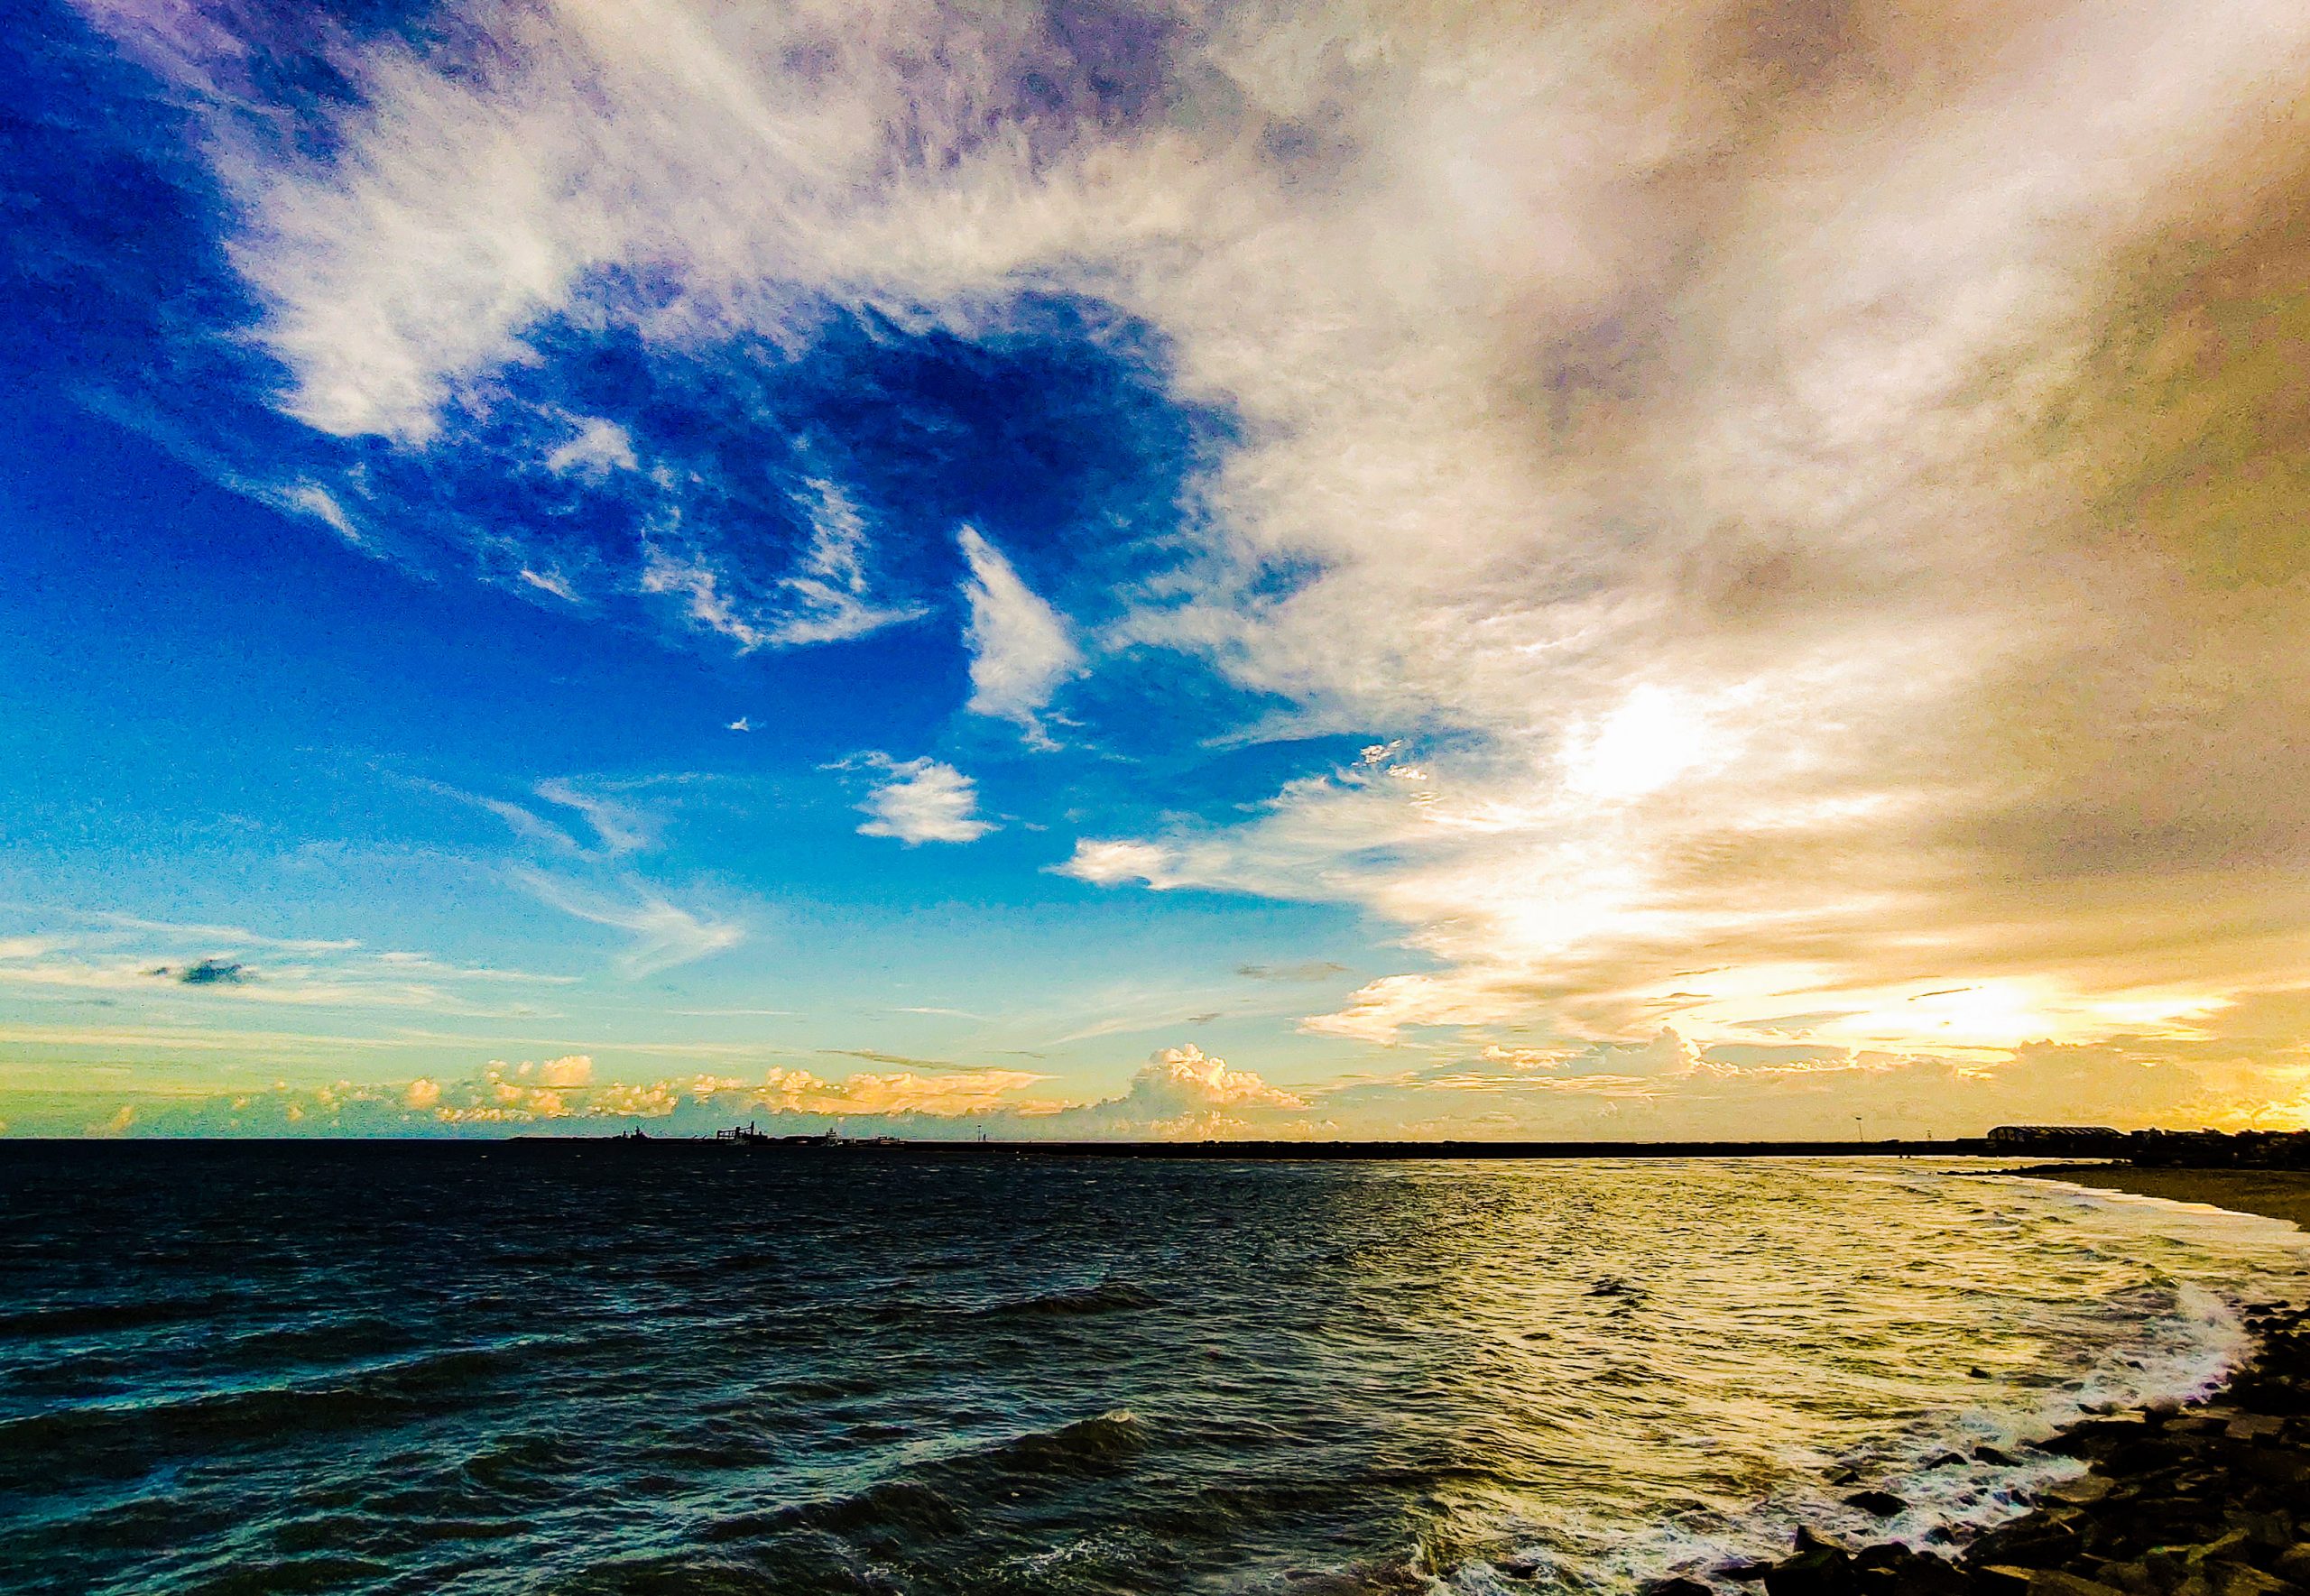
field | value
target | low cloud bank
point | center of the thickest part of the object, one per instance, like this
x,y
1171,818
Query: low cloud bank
x,y
1666,1087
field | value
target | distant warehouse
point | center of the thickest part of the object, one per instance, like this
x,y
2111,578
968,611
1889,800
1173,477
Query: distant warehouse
x,y
2039,1139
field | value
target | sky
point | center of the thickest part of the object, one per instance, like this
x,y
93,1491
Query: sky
x,y
1194,569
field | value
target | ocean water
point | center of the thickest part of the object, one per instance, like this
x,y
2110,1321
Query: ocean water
x,y
593,1370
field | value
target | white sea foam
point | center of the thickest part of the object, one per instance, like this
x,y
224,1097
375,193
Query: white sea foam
x,y
2171,1338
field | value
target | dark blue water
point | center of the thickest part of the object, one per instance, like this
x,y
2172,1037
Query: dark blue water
x,y
589,1368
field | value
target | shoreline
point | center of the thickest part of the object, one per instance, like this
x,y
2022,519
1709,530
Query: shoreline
x,y
2274,1194
2209,1498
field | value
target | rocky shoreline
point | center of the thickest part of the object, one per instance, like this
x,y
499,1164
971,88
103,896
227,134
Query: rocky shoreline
x,y
2209,1499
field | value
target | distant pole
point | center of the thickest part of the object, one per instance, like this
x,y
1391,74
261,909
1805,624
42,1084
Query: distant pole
x,y
1857,1136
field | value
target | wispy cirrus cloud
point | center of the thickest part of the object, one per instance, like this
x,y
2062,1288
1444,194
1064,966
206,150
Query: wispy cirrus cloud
x,y
664,934
156,961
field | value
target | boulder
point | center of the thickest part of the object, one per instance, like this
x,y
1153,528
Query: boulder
x,y
2053,1581
2239,1579
2037,1541
2271,1531
1816,1568
1677,1587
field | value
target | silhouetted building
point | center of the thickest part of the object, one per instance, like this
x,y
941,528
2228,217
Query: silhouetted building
x,y
2047,1139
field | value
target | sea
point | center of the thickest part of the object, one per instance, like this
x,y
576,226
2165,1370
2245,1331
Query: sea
x,y
591,1368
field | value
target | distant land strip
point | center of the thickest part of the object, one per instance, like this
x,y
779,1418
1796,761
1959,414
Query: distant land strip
x,y
1285,1149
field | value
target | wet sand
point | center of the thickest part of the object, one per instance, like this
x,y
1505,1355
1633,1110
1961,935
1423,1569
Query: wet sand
x,y
2278,1194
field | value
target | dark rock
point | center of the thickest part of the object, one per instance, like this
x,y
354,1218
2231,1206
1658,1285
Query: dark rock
x,y
2054,1582
1930,1576
1816,1568
2199,1483
2289,1471
1883,1503
2096,1436
2037,1541
1677,1587
2147,1453
2242,1578
1993,1456
2267,1531
2231,1544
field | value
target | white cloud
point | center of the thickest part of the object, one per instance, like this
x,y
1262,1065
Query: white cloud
x,y
574,1069
619,826
1179,1079
1106,863
548,582
598,447
923,800
704,603
309,498
159,965
829,590
1020,647
1664,435
664,933
622,828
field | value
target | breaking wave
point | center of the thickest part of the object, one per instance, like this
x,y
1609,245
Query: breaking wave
x,y
875,1374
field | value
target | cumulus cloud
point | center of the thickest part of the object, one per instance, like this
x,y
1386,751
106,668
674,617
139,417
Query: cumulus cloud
x,y
944,1094
1107,863
923,800
509,1093
1179,1092
565,1092
1186,1078
1663,1086
1021,649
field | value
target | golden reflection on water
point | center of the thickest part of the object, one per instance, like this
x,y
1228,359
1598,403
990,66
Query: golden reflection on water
x,y
1623,1362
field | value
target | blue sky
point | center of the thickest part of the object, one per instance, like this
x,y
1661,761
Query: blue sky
x,y
1130,570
